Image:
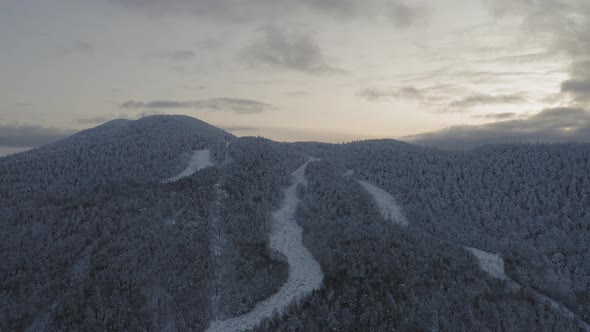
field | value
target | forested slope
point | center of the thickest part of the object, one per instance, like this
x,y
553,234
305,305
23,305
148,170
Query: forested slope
x,y
380,276
92,237
531,203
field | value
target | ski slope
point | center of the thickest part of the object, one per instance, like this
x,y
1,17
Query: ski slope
x,y
493,264
490,263
386,203
199,160
305,274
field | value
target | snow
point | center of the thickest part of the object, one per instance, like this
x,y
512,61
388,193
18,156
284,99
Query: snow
x,y
493,264
563,310
348,173
305,274
386,203
199,160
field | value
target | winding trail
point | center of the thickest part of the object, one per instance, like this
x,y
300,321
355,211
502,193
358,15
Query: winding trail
x,y
387,204
199,160
305,274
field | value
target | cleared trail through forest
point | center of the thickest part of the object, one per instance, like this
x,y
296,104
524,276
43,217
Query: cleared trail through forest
x,y
305,274
387,204
199,160
492,264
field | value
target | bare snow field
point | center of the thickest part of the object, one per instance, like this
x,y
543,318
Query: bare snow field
x,y
199,160
493,264
305,274
386,203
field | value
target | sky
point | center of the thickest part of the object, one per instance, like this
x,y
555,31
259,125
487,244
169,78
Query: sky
x,y
448,73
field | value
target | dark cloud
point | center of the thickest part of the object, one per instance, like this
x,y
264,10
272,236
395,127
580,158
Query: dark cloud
x,y
483,99
579,85
173,55
80,47
399,12
497,116
440,95
579,88
30,136
237,105
293,51
551,125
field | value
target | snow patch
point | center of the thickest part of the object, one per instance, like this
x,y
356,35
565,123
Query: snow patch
x,y
490,263
199,160
348,173
305,274
387,204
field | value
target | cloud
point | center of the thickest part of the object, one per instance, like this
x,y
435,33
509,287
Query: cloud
x,y
173,55
441,95
579,88
399,12
579,85
297,93
278,48
483,99
565,25
405,92
234,129
20,105
425,95
498,116
237,105
550,125
79,47
95,120
30,136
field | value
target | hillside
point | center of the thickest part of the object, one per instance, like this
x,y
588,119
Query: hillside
x,y
168,223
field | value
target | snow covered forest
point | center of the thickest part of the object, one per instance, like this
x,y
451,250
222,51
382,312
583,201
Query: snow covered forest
x,y
113,228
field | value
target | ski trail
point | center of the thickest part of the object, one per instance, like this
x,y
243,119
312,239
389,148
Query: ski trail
x,y
386,203
217,244
493,264
199,160
305,274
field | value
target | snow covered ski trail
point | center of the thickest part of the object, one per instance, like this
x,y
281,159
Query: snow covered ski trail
x,y
386,203
305,274
493,264
199,160
490,263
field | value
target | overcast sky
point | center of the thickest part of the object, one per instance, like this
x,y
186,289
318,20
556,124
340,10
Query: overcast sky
x,y
463,71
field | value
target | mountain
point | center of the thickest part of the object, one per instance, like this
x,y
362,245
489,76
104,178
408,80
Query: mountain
x,y
168,223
